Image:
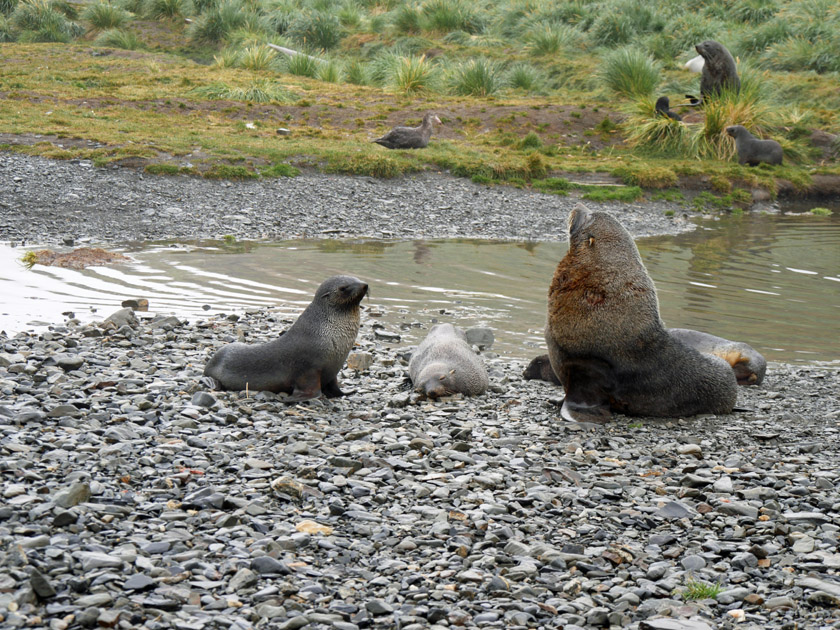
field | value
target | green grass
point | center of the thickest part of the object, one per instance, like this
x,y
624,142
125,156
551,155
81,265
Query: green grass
x,y
118,38
104,15
695,590
821,212
631,72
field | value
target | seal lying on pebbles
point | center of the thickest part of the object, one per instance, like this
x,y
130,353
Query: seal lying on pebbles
x,y
606,341
751,150
748,365
445,364
305,361
409,137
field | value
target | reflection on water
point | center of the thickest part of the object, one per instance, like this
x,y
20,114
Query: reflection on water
x,y
772,281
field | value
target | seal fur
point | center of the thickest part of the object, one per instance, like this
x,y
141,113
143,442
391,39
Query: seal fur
x,y
751,150
748,364
305,361
663,108
606,341
445,364
719,71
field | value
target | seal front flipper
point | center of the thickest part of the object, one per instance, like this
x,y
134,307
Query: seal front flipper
x,y
587,383
307,387
332,390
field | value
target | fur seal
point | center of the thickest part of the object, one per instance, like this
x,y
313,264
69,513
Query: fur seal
x,y
305,360
663,108
746,362
751,150
719,71
409,137
444,364
606,341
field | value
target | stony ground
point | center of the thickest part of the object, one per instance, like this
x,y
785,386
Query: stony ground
x,y
134,497
47,202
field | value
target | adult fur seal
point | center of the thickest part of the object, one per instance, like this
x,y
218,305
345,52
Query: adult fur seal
x,y
746,362
719,71
752,150
445,364
748,365
606,341
305,361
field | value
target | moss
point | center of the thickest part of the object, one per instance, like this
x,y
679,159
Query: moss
x,y
280,169
612,193
227,171
647,176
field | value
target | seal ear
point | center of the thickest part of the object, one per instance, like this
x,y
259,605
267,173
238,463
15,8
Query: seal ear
x,y
579,218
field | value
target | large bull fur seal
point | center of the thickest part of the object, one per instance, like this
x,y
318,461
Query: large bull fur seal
x,y
606,341
305,361
748,364
445,364
751,150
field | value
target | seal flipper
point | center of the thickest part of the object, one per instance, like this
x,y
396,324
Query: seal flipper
x,y
587,383
332,390
307,387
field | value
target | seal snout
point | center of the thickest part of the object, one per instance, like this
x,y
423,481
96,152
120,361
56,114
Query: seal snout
x,y
732,131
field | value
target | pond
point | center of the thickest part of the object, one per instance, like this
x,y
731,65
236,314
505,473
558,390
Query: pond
x,y
772,281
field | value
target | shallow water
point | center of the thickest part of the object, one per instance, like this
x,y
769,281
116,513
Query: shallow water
x,y
772,281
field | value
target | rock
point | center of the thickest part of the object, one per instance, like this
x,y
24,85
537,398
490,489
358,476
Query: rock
x,y
123,317
41,585
139,582
483,338
359,361
267,564
77,493
244,579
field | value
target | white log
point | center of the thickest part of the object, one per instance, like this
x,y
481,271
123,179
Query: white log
x,y
292,53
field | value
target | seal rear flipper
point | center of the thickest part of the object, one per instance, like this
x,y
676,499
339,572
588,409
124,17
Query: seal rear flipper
x,y
577,412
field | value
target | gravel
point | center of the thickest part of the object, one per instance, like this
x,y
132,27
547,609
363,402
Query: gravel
x,y
133,497
48,202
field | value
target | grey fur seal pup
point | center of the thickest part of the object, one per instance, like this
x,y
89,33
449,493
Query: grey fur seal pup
x,y
746,362
606,341
305,361
751,150
410,137
445,364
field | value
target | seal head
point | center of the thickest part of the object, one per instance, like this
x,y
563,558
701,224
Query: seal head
x,y
305,361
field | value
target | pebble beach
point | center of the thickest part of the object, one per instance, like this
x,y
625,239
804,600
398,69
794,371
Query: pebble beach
x,y
135,497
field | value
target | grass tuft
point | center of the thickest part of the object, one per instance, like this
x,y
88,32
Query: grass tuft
x,y
118,38
630,72
413,74
104,15
696,590
476,77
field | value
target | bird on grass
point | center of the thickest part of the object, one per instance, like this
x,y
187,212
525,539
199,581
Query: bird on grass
x,y
409,137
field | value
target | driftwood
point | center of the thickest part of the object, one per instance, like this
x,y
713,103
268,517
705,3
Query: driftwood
x,y
292,53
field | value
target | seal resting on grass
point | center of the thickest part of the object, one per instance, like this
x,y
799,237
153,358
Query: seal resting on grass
x,y
719,71
753,151
305,361
663,108
606,341
409,137
445,364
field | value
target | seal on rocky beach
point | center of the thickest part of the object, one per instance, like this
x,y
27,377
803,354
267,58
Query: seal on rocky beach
x,y
305,360
606,341
746,362
751,150
409,137
445,364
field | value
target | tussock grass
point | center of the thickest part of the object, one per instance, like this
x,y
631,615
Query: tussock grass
x,y
316,30
630,72
259,91
476,77
104,15
302,66
217,22
168,9
258,57
409,75
118,38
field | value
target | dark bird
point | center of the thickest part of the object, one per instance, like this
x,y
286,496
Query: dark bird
x,y
409,137
663,108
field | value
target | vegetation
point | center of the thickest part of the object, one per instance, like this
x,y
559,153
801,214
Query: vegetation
x,y
697,590
529,91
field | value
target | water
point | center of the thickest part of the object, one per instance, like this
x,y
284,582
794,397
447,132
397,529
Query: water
x,y
772,281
